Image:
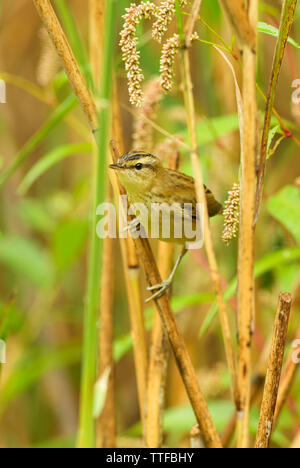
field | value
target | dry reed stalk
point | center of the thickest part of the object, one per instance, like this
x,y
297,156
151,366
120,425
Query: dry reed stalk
x,y
159,350
288,375
287,18
246,234
70,64
211,256
106,424
145,255
267,411
239,19
96,19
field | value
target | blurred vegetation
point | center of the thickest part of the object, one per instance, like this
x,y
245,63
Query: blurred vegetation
x,y
45,155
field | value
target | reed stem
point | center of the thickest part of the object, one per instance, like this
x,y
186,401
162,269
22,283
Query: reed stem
x,y
246,235
267,411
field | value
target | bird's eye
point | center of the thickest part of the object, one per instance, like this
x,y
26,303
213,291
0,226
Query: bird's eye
x,y
139,166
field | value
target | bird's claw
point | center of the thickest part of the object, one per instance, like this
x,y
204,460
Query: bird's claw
x,y
161,289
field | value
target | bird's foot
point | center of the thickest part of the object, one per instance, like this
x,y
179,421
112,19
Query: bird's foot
x,y
161,289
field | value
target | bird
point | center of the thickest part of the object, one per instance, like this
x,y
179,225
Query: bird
x,y
158,193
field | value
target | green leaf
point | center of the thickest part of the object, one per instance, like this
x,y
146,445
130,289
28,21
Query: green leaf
x,y
36,215
179,420
27,259
262,266
208,132
272,134
68,242
273,31
285,207
11,319
32,367
55,118
49,160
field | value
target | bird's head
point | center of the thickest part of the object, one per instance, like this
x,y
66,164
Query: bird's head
x,y
137,170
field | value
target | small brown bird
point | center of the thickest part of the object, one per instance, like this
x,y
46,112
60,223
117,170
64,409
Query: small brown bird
x,y
158,191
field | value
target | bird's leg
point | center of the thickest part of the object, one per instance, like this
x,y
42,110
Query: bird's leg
x,y
164,286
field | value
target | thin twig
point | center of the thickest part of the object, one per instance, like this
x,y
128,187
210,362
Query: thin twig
x,y
246,235
287,18
266,419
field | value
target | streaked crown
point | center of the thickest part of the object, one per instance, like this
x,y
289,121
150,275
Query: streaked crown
x,y
138,160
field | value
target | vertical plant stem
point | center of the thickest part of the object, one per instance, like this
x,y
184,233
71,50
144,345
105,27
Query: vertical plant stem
x,y
287,18
86,423
106,424
159,351
246,235
266,419
240,20
96,13
191,118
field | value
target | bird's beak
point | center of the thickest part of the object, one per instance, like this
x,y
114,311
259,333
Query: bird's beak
x,y
115,166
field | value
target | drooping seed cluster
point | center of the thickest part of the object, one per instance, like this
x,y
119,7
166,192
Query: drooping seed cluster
x,y
231,214
143,131
165,14
169,51
128,43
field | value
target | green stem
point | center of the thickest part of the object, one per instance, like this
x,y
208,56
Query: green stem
x,y
86,436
